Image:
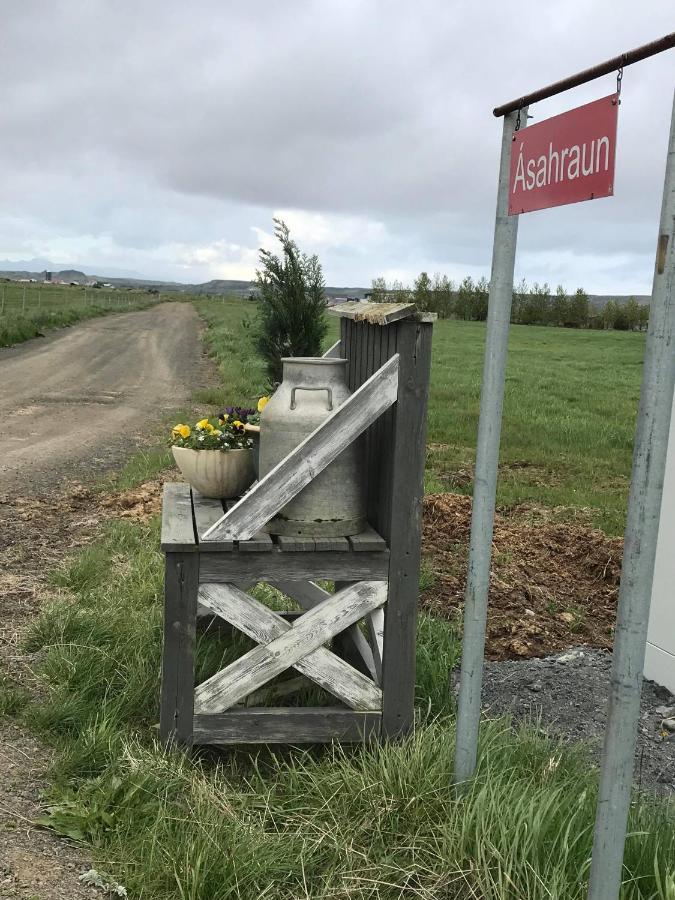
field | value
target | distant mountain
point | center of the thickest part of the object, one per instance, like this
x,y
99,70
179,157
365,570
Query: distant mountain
x,y
216,286
39,265
35,268
599,301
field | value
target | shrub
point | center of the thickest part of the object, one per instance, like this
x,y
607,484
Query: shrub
x,y
291,319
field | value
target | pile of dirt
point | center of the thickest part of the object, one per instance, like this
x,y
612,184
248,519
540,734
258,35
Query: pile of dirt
x,y
141,503
552,585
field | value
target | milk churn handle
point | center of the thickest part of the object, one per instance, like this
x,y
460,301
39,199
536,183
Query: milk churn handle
x,y
301,387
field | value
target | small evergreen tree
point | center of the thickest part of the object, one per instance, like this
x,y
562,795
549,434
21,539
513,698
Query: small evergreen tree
x,y
422,295
632,311
579,308
291,316
481,300
442,294
609,313
520,295
464,299
379,290
560,307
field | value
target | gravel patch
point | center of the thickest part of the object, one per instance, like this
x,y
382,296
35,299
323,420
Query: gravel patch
x,y
568,693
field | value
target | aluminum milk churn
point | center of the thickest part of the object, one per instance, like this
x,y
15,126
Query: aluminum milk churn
x,y
333,503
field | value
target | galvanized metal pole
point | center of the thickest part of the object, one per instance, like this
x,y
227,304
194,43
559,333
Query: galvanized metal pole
x,y
644,507
487,461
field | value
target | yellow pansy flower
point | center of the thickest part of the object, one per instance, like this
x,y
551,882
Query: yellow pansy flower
x,y
237,424
202,424
208,428
223,419
262,403
183,431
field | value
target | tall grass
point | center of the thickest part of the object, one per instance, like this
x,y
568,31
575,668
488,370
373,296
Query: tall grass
x,y
365,822
62,307
354,822
569,411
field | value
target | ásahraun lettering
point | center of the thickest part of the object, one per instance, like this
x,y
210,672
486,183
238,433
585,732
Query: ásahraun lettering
x,y
564,165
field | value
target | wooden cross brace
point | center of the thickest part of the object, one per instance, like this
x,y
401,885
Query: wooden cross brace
x,y
284,645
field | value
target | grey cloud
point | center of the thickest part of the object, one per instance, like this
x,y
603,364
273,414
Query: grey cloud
x,y
154,123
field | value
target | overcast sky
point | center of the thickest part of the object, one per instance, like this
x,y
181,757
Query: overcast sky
x,y
161,137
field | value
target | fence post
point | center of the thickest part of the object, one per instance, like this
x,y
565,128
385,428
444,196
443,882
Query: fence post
x,y
23,305
637,571
487,462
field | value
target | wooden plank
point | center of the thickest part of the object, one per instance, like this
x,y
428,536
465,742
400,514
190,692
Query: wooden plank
x,y
336,544
384,470
376,630
425,317
374,313
307,594
368,541
264,625
373,447
286,726
207,512
178,666
178,534
225,567
407,489
333,352
259,542
295,542
310,457
261,664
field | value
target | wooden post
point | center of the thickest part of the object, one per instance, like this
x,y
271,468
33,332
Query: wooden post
x,y
407,489
181,585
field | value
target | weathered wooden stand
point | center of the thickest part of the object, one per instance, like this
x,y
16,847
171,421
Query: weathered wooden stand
x,y
213,555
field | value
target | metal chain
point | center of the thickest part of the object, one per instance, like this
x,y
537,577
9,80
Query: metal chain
x,y
619,79
517,128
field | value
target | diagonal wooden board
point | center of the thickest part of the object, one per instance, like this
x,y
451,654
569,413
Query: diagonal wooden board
x,y
307,595
304,463
298,645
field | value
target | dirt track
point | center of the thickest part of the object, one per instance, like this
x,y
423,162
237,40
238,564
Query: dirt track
x,y
72,405
78,400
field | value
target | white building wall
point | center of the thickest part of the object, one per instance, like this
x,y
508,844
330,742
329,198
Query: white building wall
x,y
660,658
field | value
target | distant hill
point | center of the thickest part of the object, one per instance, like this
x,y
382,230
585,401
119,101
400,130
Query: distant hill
x,y
223,286
216,286
599,301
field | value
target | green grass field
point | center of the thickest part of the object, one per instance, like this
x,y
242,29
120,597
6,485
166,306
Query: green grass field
x,y
364,823
569,413
29,309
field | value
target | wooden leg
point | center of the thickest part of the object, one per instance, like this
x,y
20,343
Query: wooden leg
x,y
407,490
344,644
181,582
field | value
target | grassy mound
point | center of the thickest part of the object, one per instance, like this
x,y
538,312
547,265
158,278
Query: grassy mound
x,y
367,822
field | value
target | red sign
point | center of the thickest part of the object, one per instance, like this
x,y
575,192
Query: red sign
x,y
564,159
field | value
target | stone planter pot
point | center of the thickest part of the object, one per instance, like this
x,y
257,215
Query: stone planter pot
x,y
221,474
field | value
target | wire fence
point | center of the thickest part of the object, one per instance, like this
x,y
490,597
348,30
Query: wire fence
x,y
29,298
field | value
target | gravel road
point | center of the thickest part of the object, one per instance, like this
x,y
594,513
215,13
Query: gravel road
x,y
78,400
72,405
